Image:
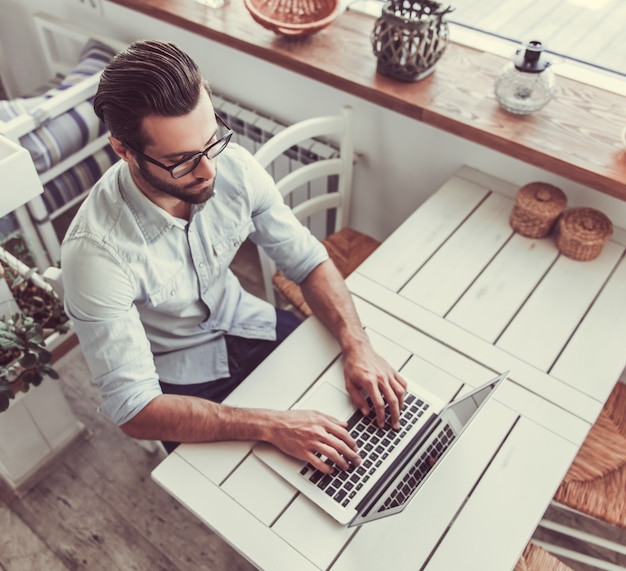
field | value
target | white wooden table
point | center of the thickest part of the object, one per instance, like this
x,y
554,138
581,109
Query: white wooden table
x,y
416,298
457,258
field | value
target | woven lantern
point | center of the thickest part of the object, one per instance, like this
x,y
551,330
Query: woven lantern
x,y
409,38
582,232
537,208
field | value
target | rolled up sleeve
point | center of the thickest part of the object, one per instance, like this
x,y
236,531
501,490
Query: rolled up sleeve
x,y
110,331
281,235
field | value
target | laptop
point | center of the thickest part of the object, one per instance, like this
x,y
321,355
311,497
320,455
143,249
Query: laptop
x,y
395,464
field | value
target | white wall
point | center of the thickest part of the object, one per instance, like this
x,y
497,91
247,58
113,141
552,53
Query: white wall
x,y
402,161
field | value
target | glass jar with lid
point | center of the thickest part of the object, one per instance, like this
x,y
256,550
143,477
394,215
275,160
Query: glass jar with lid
x,y
526,83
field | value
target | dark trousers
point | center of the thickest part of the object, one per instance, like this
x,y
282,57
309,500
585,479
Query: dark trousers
x,y
244,355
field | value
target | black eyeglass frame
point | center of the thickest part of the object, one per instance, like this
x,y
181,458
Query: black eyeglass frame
x,y
195,158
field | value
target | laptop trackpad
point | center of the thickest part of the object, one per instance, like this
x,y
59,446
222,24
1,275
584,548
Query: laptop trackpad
x,y
330,400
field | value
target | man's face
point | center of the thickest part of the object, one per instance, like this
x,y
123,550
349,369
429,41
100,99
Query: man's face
x,y
196,192
172,140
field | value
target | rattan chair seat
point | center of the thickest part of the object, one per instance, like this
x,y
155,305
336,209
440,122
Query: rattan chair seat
x,y
347,248
596,481
536,558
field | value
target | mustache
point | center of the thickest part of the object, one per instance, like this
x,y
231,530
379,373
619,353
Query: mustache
x,y
201,183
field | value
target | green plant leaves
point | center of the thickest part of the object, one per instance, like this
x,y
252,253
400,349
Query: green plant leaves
x,y
32,363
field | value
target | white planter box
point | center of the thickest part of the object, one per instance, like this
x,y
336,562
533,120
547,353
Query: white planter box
x,y
18,174
35,431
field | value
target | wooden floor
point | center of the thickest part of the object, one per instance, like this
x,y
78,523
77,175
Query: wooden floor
x,y
590,31
99,510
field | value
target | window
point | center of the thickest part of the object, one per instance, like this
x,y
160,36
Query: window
x,y
584,37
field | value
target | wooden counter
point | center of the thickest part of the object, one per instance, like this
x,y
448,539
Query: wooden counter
x,y
577,135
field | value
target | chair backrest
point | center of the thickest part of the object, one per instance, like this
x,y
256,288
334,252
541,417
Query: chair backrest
x,y
334,127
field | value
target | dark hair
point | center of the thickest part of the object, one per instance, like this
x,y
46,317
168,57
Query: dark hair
x,y
149,78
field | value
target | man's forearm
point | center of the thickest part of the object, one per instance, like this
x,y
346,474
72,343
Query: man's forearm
x,y
327,295
365,371
299,433
191,419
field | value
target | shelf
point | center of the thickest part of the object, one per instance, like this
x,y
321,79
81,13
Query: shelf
x,y
577,134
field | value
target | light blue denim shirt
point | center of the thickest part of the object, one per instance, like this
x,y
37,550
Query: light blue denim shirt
x,y
151,296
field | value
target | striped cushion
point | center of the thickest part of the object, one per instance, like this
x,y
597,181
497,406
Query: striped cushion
x,y
58,138
73,182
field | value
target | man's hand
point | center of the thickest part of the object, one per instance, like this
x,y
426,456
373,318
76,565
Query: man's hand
x,y
367,373
304,434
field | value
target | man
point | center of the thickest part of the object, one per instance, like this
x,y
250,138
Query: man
x,y
165,326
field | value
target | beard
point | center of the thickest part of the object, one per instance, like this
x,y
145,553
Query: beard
x,y
197,192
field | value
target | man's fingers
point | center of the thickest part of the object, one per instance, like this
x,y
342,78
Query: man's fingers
x,y
394,394
340,455
335,454
379,406
358,399
400,388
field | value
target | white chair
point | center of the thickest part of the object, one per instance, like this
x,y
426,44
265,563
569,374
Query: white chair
x,y
346,247
51,127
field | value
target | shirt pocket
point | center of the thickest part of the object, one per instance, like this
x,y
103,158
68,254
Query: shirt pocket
x,y
177,292
228,245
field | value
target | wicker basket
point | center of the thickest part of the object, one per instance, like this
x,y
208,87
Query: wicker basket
x,y
293,17
537,207
582,232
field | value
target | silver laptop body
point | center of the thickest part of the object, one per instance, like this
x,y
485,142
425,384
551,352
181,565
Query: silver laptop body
x,y
395,463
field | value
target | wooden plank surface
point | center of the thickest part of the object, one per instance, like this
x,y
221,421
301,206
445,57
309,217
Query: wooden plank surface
x,y
227,517
547,320
447,275
523,296
21,549
417,238
524,473
255,497
425,327
576,135
410,537
596,371
492,301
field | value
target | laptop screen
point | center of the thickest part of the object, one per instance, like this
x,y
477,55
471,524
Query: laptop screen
x,y
400,485
464,408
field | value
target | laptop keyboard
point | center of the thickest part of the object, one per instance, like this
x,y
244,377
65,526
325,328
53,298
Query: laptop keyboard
x,y
419,469
374,444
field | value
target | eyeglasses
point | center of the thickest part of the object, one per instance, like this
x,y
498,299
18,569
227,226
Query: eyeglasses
x,y
184,167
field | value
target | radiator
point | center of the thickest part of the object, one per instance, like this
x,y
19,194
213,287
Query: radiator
x,y
252,128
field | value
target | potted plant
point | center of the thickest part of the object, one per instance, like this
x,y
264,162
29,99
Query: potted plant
x,y
36,422
24,358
